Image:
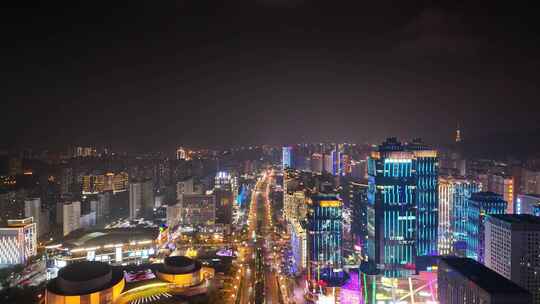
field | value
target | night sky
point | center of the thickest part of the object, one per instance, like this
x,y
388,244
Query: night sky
x,y
221,73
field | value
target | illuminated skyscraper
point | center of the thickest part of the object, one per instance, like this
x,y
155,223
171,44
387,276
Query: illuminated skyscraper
x,y
358,203
18,241
504,185
32,208
453,196
458,134
324,231
526,203
287,157
298,246
184,186
480,205
317,162
402,206
183,154
141,198
328,163
197,209
336,162
426,165
71,216
511,243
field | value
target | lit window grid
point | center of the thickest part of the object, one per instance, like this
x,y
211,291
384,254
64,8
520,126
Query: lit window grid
x,y
325,241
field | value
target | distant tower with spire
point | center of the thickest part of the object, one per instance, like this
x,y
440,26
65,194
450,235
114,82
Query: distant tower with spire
x,y
458,134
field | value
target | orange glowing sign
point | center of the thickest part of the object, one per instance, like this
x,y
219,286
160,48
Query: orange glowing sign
x,y
330,203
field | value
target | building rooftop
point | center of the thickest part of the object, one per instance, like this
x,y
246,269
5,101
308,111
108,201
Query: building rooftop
x,y
485,195
179,265
103,237
86,277
483,277
518,218
84,271
324,196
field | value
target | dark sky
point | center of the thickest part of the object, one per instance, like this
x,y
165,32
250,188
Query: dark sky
x,y
157,74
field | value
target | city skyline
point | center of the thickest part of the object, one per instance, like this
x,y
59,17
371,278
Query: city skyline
x,y
270,151
267,71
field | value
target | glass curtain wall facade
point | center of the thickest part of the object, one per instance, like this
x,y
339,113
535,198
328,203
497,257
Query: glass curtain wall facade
x,y
391,210
402,206
453,197
325,239
480,205
427,201
287,157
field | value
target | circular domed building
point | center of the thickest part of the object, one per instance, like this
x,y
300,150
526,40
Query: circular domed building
x,y
180,270
85,282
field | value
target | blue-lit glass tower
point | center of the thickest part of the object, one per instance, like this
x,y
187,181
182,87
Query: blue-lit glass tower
x,y
288,157
336,162
392,210
402,206
426,165
479,206
459,216
358,203
454,194
324,239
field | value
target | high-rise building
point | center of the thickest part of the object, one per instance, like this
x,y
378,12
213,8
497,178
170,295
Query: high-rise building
x,y
90,184
103,206
294,205
298,246
183,154
453,195
526,203
135,200
426,164
324,239
358,169
328,163
287,157
141,198
336,162
120,182
512,249
18,241
530,181
197,209
317,162
32,208
12,204
66,180
184,186
97,183
224,205
504,185
223,180
458,134
463,280
15,166
174,213
358,203
84,152
71,216
479,205
402,206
